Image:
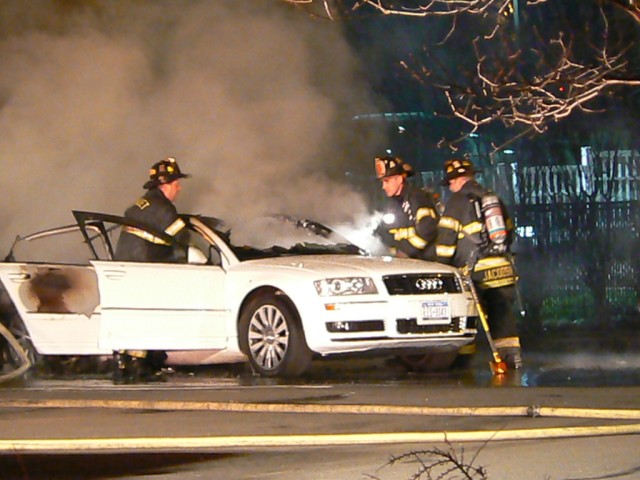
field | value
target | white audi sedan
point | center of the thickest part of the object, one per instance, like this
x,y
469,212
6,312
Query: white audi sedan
x,y
275,291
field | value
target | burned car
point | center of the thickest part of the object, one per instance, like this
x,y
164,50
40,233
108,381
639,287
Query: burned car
x,y
275,291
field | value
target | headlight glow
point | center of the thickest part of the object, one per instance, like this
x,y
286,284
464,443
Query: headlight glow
x,y
329,287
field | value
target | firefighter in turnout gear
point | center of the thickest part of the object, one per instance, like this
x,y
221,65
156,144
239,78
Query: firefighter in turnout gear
x,y
475,233
156,210
411,218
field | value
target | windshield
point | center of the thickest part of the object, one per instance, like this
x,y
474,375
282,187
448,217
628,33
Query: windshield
x,y
281,235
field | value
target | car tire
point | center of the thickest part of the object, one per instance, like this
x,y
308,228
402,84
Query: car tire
x,y
270,334
438,361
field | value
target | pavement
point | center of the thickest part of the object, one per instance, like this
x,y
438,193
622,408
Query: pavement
x,y
572,417
198,427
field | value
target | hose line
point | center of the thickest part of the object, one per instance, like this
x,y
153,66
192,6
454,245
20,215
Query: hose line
x,y
235,442
208,443
358,409
22,355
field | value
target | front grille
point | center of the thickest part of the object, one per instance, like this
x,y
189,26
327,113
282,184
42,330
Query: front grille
x,y
410,325
422,283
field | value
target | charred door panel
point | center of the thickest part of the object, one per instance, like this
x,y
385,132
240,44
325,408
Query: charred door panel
x,y
59,305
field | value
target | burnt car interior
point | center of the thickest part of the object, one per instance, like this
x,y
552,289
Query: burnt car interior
x,y
285,235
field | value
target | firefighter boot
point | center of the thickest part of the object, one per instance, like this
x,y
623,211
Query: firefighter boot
x,y
156,367
156,360
512,356
144,370
121,368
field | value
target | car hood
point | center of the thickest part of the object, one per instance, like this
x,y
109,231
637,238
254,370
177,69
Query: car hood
x,y
353,264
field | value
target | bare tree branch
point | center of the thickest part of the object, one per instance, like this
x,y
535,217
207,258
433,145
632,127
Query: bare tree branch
x,y
559,83
552,95
325,5
557,79
439,7
632,7
425,8
452,7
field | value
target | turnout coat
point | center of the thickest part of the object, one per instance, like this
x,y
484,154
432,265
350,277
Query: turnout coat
x,y
415,221
463,240
157,212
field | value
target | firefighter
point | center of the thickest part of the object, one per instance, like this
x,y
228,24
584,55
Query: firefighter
x,y
465,241
155,209
411,218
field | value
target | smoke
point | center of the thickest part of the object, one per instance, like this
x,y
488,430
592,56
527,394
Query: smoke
x,y
252,98
362,232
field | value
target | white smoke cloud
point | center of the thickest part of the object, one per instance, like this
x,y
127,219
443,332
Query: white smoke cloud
x,y
252,99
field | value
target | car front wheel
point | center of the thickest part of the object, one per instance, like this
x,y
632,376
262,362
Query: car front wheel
x,y
271,336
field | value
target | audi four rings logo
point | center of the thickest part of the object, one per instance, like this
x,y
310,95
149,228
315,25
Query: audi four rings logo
x,y
431,284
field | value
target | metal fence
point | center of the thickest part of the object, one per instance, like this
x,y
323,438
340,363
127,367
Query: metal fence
x,y
578,262
577,245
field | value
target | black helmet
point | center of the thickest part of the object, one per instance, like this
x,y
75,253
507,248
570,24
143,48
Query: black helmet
x,y
164,171
388,166
455,168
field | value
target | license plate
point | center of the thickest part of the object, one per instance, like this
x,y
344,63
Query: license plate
x,y
436,312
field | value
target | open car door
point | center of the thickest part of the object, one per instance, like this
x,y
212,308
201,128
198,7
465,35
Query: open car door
x,y
159,306
54,289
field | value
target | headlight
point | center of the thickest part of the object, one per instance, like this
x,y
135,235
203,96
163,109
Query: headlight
x,y
345,286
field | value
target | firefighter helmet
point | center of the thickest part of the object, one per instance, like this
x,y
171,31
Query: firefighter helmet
x,y
388,166
455,168
164,171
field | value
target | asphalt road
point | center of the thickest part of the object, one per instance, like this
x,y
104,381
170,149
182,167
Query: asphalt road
x,y
566,417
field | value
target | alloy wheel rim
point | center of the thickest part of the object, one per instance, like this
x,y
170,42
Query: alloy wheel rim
x,y
268,337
